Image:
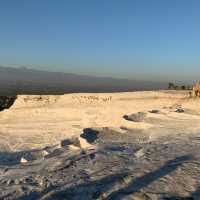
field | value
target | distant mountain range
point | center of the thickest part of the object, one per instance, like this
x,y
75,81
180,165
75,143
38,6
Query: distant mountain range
x,y
31,81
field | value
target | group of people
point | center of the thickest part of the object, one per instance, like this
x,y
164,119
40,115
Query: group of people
x,y
94,98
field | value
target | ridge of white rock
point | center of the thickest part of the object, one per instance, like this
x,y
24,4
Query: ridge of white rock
x,y
45,153
23,160
36,121
73,147
84,144
156,158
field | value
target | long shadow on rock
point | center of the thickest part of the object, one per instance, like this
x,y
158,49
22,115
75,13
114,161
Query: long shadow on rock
x,y
13,158
195,195
85,191
179,198
10,158
6,102
147,179
95,189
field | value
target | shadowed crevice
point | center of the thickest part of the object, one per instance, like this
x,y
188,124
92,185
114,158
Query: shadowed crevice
x,y
6,102
90,134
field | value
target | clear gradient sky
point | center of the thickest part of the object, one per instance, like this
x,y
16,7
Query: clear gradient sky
x,y
137,39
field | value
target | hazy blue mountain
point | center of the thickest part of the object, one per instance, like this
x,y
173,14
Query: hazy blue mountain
x,y
28,81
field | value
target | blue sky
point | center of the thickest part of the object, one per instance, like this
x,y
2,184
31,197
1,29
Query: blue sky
x,y
137,39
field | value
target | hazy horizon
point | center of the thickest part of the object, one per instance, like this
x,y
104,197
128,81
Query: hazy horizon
x,y
184,80
141,40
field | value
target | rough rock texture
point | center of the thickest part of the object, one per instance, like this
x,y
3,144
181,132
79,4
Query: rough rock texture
x,y
168,168
36,121
157,159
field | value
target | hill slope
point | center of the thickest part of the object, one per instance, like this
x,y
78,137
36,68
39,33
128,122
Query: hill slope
x,y
29,81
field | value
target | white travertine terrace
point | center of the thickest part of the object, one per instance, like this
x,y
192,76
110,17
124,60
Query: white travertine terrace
x,y
37,121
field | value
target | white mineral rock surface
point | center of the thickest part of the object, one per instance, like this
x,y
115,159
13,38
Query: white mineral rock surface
x,y
103,152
